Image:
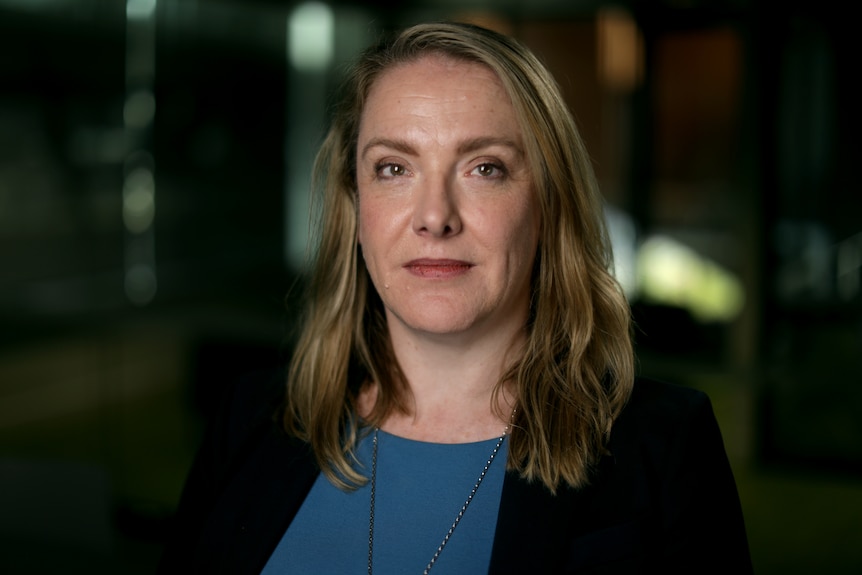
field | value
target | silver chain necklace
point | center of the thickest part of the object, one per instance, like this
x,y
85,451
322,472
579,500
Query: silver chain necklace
x,y
457,517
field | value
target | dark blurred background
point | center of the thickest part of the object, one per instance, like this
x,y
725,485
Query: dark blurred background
x,y
154,161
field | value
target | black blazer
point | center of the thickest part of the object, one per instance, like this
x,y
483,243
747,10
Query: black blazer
x,y
663,501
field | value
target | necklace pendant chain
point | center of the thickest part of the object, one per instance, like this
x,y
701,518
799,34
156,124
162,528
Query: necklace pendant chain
x,y
457,517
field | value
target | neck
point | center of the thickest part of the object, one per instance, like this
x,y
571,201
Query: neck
x,y
451,383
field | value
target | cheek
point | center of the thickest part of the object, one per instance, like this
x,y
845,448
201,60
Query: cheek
x,y
523,223
362,223
525,239
357,217
371,224
533,222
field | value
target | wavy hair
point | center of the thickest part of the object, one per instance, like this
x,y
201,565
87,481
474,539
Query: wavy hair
x,y
577,368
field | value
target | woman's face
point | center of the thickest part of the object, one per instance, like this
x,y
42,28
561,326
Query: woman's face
x,y
448,219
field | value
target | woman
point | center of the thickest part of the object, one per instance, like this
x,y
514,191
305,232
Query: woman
x,y
462,397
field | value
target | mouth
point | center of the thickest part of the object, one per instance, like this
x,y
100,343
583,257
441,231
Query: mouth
x,y
434,268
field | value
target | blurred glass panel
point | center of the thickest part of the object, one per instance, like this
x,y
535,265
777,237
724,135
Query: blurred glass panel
x,y
620,50
313,73
140,9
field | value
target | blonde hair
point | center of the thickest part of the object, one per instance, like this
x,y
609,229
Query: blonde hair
x,y
577,369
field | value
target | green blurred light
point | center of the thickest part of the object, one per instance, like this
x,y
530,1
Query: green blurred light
x,y
674,274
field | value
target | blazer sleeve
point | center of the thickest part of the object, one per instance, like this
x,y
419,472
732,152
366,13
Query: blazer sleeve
x,y
244,408
701,521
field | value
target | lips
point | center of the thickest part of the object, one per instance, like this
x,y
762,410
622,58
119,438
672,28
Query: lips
x,y
434,268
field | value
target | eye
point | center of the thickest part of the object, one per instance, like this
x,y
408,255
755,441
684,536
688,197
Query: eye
x,y
390,170
489,170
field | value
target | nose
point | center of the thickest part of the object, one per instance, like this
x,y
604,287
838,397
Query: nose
x,y
436,209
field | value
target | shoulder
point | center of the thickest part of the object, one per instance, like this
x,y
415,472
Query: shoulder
x,y
249,410
664,482
651,398
256,396
661,419
667,456
247,477
253,398
662,404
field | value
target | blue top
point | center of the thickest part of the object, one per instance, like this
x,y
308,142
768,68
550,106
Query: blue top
x,y
421,487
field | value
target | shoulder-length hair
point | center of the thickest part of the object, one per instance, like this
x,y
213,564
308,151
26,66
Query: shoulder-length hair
x,y
577,369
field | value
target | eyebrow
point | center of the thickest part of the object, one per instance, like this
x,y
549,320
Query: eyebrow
x,y
465,147
399,145
475,144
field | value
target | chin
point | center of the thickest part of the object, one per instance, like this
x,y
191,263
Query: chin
x,y
437,327
435,321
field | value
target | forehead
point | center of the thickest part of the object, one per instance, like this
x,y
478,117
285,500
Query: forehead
x,y
438,86
432,63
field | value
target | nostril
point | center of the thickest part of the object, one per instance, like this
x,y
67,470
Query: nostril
x,y
436,212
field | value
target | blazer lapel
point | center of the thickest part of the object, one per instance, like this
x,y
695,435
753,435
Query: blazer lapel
x,y
567,532
261,502
532,527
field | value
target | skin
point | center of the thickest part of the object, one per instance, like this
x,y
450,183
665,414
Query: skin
x,y
449,228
